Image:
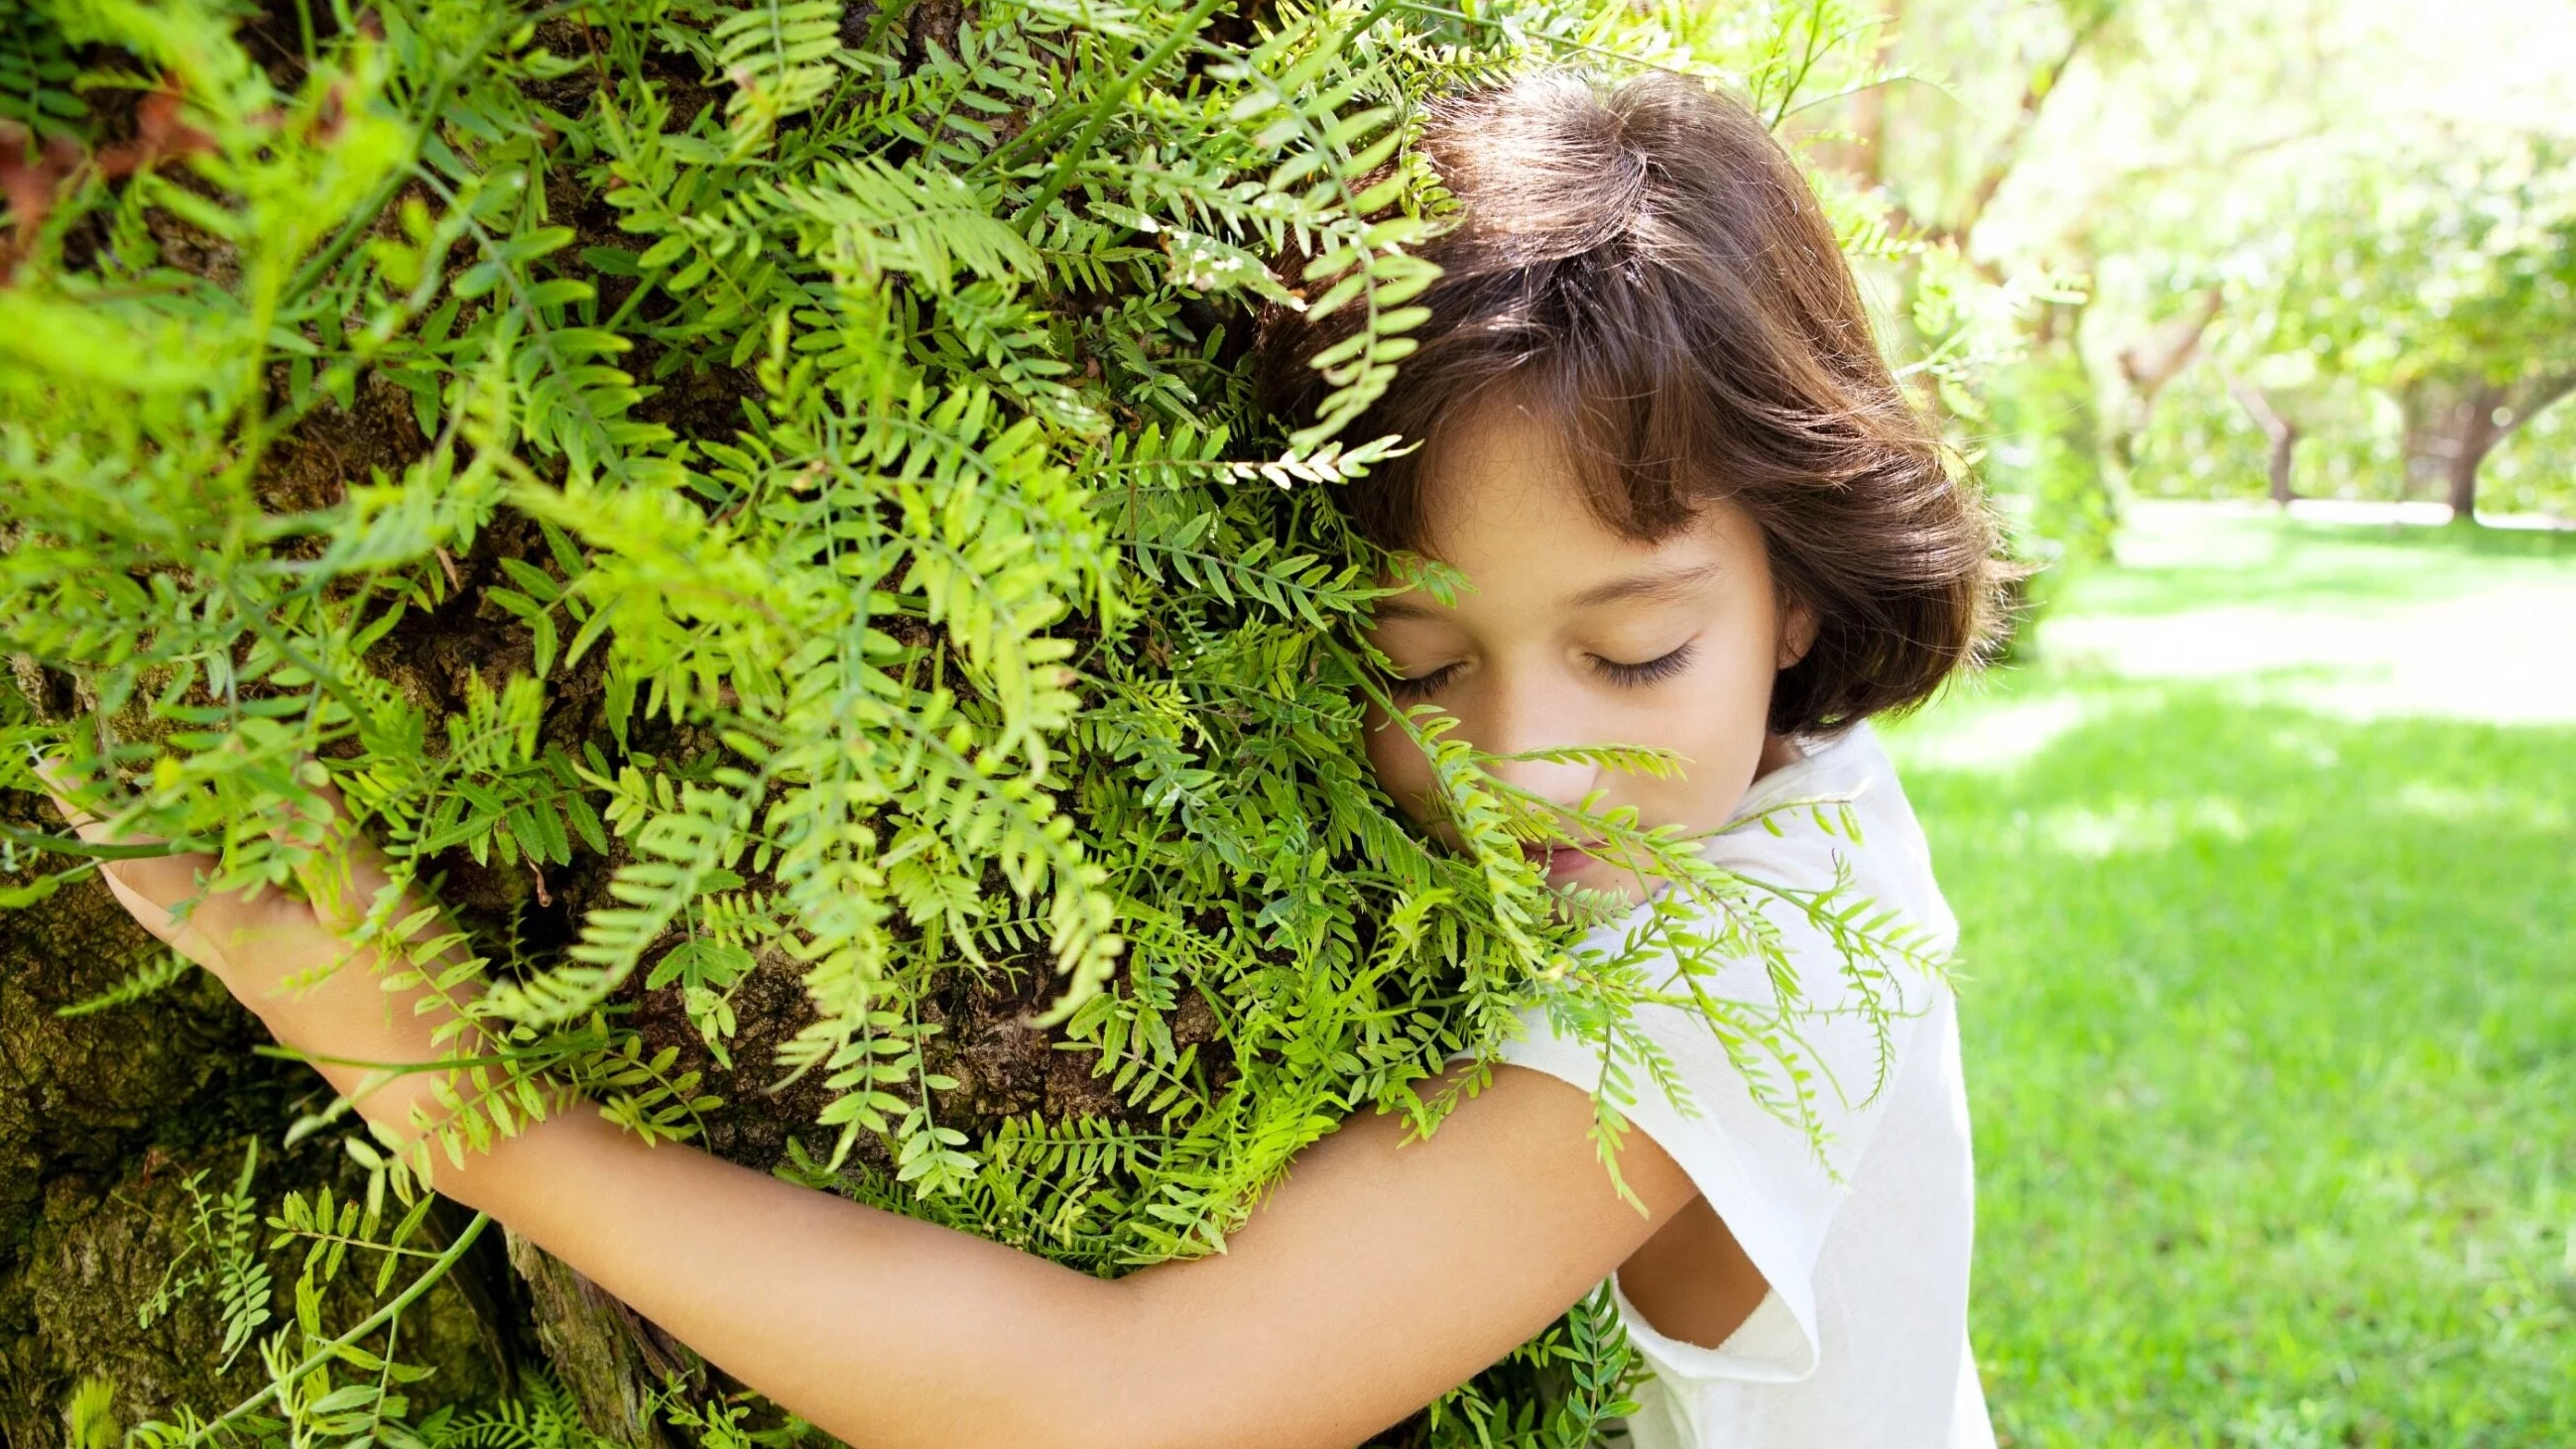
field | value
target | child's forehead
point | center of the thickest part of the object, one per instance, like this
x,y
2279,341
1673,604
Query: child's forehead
x,y
1513,515
1497,464
1499,485
1611,452
1523,544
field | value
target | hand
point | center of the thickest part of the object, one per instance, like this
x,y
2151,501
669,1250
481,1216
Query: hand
x,y
291,960
250,944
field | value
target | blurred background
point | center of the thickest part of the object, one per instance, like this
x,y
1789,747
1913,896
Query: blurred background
x,y
2261,320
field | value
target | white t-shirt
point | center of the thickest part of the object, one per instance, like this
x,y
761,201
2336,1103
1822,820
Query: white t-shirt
x,y
1862,1340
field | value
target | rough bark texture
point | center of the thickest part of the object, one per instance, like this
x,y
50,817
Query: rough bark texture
x,y
606,1353
103,1116
102,1119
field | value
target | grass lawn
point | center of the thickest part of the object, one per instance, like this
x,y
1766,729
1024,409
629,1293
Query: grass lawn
x,y
2266,869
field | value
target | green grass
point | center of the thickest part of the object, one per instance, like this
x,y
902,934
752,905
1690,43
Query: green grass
x,y
2181,556
2271,1018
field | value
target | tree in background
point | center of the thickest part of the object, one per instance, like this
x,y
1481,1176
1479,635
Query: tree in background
x,y
2211,180
2379,226
1988,345
2447,280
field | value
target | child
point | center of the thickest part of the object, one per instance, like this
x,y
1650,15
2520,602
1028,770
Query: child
x,y
1693,511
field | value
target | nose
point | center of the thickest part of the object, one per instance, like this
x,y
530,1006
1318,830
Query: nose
x,y
1519,715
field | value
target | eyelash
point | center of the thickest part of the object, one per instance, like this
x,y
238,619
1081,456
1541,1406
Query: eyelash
x,y
1421,686
1631,676
1626,676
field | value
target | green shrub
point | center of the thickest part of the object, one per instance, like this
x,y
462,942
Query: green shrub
x,y
769,493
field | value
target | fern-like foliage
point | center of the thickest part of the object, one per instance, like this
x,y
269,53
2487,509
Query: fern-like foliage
x,y
220,1252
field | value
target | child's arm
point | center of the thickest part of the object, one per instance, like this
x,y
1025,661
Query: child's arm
x,y
1373,1279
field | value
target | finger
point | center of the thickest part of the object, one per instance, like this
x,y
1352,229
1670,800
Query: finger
x,y
148,886
147,912
182,935
60,783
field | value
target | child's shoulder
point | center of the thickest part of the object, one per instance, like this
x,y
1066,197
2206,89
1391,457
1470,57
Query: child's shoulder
x,y
1838,817
1852,766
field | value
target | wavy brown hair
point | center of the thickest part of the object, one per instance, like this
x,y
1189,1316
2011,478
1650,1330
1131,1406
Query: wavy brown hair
x,y
1643,266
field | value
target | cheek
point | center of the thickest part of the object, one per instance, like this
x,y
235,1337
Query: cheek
x,y
1727,721
1401,770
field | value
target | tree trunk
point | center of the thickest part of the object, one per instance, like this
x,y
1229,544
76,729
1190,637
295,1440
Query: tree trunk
x,y
2501,411
2474,433
2278,429
103,1118
608,1356
2452,426
2285,443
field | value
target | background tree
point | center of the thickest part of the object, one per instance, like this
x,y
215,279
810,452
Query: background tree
x,y
2303,191
2447,280
2188,178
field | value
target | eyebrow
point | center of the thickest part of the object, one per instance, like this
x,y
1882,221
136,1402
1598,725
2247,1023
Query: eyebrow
x,y
1399,608
1661,584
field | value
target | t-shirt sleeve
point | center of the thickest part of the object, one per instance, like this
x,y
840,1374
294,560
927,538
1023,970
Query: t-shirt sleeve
x,y
1764,1177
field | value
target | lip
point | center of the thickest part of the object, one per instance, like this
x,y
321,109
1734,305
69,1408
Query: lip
x,y
1561,862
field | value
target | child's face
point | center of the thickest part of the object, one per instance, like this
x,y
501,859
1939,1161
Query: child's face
x,y
1568,634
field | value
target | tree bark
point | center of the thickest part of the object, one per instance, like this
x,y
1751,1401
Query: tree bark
x,y
103,1118
609,1357
2474,432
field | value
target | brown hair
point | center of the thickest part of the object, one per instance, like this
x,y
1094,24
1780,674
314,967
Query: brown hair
x,y
1645,266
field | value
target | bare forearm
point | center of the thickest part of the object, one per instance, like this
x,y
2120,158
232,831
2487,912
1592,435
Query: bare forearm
x,y
1372,1281
880,1329
890,1332
883,1330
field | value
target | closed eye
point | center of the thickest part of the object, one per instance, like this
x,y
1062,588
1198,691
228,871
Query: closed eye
x,y
1421,686
1630,676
